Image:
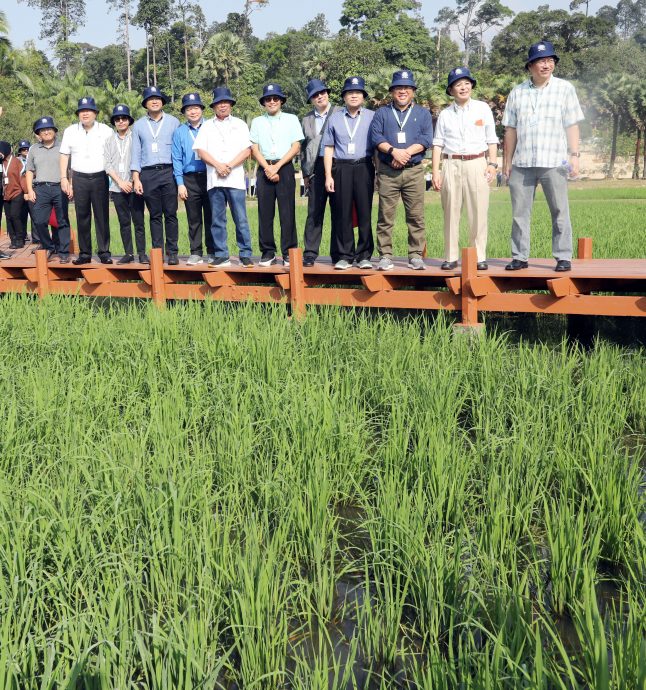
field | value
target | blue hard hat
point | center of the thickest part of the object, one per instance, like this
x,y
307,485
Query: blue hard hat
x,y
272,90
153,92
542,49
44,123
190,99
87,103
403,77
354,84
121,110
457,74
23,144
315,86
222,93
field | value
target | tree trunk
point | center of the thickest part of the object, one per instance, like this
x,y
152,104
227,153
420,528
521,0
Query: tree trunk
x,y
644,161
439,65
638,146
154,62
613,146
170,71
185,53
127,42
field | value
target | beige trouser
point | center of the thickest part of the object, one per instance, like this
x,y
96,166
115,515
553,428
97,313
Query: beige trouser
x,y
464,184
407,184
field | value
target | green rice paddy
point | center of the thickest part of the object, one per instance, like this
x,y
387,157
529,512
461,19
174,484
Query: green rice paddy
x,y
218,496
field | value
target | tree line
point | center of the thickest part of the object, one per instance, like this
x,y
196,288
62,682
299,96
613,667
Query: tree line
x,y
603,52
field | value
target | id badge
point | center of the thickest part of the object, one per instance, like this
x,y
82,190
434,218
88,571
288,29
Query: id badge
x,y
6,180
401,137
352,149
154,147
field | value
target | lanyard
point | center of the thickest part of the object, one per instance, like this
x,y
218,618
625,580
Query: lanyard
x,y
401,125
122,147
5,170
190,130
345,122
154,135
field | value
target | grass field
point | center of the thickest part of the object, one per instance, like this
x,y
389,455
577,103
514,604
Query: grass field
x,y
217,496
611,213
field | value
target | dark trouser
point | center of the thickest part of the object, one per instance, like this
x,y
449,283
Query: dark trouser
x,y
16,227
91,198
354,183
198,212
130,211
317,199
160,195
282,192
48,197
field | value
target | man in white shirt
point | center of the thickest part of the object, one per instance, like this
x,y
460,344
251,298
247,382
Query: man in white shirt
x,y
465,138
82,147
223,143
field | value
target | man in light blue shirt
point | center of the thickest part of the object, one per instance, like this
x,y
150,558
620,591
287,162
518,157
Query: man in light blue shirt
x,y
276,140
152,169
190,176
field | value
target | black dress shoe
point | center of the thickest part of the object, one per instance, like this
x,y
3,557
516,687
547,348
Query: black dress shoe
x,y
65,258
449,265
105,260
143,258
173,260
13,245
516,265
482,266
125,259
308,262
562,266
80,260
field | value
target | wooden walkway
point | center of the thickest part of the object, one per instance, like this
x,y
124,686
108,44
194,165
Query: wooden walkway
x,y
609,287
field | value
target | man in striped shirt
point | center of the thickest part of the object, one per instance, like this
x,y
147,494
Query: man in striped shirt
x,y
541,122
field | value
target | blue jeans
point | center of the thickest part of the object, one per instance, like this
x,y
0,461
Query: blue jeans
x,y
236,198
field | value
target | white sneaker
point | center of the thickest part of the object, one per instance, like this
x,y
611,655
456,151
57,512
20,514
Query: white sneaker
x,y
342,265
267,260
416,263
365,264
194,259
286,262
385,264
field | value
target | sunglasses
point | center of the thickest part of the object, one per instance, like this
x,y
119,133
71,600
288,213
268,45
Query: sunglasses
x,y
118,118
271,99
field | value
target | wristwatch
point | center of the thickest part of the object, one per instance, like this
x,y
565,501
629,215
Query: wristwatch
x,y
390,150
493,165
576,154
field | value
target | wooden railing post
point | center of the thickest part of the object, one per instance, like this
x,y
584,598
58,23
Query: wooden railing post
x,y
469,300
41,272
74,247
585,248
296,283
157,277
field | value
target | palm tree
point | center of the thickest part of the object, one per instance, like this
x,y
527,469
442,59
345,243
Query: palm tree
x,y
223,58
636,103
319,56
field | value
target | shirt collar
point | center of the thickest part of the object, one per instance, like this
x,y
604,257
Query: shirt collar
x,y
540,88
345,112
156,121
325,114
190,126
226,119
464,107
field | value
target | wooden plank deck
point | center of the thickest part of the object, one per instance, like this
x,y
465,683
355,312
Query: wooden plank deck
x,y
620,282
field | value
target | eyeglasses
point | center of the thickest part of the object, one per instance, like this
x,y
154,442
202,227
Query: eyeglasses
x,y
319,94
271,99
544,61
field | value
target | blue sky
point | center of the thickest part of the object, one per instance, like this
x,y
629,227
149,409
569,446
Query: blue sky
x,y
100,26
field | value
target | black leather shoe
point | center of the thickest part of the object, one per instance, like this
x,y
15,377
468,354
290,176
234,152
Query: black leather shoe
x,y
105,260
516,265
143,258
482,266
308,262
173,260
125,259
562,266
80,260
65,258
449,265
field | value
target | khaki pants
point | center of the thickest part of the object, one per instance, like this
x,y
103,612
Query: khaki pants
x,y
464,185
408,184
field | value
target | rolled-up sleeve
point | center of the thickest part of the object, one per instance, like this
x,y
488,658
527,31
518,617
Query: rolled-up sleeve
x,y
135,161
439,135
426,130
509,117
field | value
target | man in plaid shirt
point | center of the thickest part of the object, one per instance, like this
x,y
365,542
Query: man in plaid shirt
x,y
541,145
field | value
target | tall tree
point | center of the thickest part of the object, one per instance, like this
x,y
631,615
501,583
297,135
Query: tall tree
x,y
224,58
153,16
124,7
60,20
490,14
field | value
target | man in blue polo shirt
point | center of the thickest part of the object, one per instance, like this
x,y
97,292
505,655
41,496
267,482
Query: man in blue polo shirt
x,y
152,169
401,131
190,176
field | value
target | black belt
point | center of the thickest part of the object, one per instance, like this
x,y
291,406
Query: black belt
x,y
88,176
161,166
273,162
197,172
352,161
47,184
412,165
